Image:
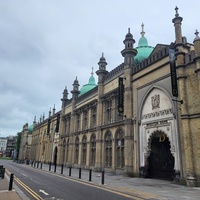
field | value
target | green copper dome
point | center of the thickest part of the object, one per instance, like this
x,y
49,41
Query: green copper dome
x,y
142,42
143,49
30,128
87,87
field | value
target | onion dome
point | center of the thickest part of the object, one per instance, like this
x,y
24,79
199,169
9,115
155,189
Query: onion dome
x,y
30,129
143,49
87,87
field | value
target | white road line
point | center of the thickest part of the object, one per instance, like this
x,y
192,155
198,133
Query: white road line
x,y
24,175
43,192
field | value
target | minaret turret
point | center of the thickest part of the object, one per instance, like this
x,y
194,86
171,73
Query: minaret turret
x,y
102,69
65,97
75,90
197,55
50,112
129,52
177,24
197,44
54,110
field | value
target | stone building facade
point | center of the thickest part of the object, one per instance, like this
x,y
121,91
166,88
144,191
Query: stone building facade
x,y
154,133
26,142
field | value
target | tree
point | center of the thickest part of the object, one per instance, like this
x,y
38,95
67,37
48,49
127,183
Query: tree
x,y
19,134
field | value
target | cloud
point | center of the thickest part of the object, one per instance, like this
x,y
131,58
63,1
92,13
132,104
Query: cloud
x,y
45,44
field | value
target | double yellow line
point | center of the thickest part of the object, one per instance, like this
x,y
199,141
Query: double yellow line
x,y
31,192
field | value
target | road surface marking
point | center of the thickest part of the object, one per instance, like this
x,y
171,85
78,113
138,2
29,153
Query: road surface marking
x,y
43,192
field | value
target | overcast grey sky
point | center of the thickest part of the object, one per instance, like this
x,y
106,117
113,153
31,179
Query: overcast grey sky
x,y
45,44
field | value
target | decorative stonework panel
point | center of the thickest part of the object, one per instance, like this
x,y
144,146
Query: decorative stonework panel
x,y
156,106
155,101
157,114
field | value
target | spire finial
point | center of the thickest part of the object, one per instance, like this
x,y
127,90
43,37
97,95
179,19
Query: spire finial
x,y
142,33
197,33
129,30
102,54
176,9
92,71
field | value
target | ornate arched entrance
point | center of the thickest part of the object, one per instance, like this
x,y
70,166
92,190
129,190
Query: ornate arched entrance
x,y
160,162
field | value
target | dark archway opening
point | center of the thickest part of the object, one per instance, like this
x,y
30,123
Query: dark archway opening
x,y
160,163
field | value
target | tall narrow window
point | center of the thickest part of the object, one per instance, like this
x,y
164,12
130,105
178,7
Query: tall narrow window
x,y
78,122
68,125
108,111
76,150
84,149
93,117
120,149
57,123
93,150
67,153
108,150
65,126
118,116
85,120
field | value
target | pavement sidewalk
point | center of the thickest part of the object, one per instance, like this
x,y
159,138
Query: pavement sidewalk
x,y
136,188
14,194
141,188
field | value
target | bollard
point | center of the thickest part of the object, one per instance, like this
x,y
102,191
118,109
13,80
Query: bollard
x,y
102,178
79,173
90,175
41,165
49,166
62,169
55,167
70,171
34,163
37,164
11,181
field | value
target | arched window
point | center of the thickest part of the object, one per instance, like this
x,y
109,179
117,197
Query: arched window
x,y
93,150
76,150
108,150
84,149
120,149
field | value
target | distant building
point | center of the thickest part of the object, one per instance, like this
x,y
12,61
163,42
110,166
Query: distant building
x,y
26,140
11,142
3,143
142,119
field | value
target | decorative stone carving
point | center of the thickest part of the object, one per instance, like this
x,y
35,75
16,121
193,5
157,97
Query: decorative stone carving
x,y
157,114
155,101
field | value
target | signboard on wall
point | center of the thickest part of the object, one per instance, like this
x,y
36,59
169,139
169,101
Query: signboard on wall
x,y
173,72
120,95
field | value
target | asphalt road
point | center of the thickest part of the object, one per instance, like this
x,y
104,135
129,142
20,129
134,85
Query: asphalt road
x,y
51,186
